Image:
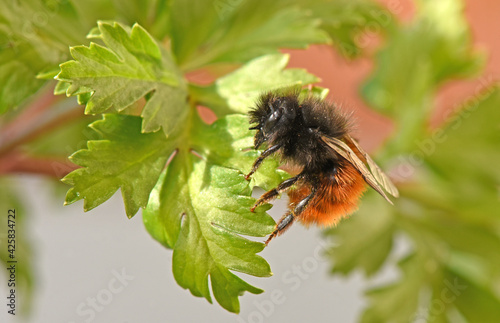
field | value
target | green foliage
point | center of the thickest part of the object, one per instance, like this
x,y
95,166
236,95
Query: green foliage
x,y
449,216
187,176
448,209
35,36
124,158
370,250
26,49
416,61
222,32
207,241
129,68
235,92
347,22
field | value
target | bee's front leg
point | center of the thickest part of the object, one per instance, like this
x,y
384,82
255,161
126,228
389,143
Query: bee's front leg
x,y
258,161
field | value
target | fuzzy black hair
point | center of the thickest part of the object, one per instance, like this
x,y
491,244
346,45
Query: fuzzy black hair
x,y
296,124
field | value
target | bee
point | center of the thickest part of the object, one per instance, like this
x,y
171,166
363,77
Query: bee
x,y
314,136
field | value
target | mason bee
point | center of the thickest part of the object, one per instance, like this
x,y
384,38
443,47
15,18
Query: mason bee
x,y
314,136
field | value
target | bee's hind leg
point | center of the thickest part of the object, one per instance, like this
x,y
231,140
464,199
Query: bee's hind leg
x,y
290,217
272,194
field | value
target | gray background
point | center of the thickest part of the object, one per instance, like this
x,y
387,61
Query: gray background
x,y
77,254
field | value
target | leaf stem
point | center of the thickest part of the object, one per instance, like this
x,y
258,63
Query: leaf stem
x,y
18,162
42,130
23,130
30,114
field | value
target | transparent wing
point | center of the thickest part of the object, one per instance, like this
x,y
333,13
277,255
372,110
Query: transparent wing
x,y
379,175
345,151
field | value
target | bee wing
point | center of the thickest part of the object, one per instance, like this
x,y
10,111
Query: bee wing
x,y
379,175
345,151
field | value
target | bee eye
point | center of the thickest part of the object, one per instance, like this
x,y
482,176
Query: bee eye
x,y
271,121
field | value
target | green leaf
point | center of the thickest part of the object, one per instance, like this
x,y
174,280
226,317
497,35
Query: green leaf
x,y
153,15
248,37
223,31
350,24
433,292
369,250
207,238
471,136
124,158
239,90
316,91
191,24
386,303
18,81
34,36
485,300
201,205
129,68
198,206
229,143
448,214
417,59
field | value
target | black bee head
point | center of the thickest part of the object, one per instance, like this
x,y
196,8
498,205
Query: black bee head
x,y
273,114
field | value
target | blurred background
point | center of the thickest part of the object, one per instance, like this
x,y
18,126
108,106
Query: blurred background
x,y
344,78
79,257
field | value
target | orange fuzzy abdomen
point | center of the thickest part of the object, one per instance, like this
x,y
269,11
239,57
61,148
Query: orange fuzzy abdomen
x,y
334,199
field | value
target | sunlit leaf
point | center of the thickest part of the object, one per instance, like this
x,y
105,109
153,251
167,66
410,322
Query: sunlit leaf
x,y
129,68
205,33
124,158
238,91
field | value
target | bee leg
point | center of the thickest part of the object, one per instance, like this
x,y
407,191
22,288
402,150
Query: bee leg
x,y
258,161
271,194
288,218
